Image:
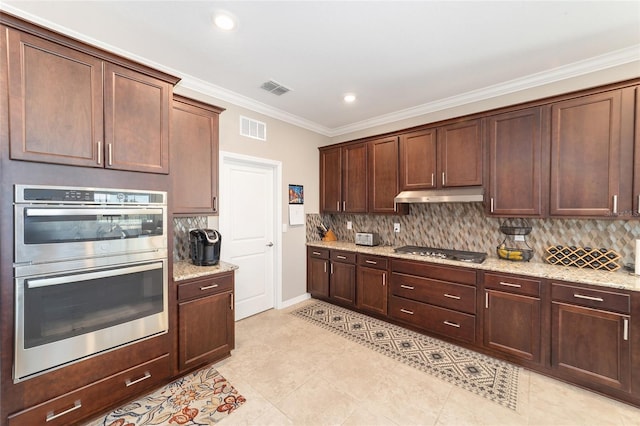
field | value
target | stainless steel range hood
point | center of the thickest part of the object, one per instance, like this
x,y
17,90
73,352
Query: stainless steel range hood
x,y
448,195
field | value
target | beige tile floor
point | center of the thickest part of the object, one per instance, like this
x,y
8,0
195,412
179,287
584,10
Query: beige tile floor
x,y
295,373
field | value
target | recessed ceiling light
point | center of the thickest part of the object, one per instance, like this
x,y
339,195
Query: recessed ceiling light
x,y
349,98
224,21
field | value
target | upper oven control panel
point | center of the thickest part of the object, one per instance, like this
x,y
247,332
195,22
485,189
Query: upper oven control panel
x,y
70,195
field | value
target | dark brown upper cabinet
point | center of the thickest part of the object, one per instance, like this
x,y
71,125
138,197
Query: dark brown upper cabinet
x,y
194,156
70,107
636,157
384,176
442,157
418,160
587,156
343,179
460,154
516,183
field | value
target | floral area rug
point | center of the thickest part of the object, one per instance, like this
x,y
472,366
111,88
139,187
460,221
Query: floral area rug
x,y
200,398
485,376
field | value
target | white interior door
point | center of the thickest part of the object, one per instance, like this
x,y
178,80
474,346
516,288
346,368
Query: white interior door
x,y
248,226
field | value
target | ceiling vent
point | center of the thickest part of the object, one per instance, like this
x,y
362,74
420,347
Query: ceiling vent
x,y
274,87
253,128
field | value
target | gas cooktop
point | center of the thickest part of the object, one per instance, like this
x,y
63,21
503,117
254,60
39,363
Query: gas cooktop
x,y
459,255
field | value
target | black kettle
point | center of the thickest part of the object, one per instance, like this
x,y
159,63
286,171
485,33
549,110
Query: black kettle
x,y
205,246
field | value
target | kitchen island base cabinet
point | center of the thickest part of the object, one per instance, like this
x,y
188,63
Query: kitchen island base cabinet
x,y
206,320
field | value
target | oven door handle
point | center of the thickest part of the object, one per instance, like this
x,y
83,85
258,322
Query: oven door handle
x,y
45,282
86,211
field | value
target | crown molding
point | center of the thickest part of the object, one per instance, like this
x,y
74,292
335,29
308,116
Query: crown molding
x,y
612,59
576,69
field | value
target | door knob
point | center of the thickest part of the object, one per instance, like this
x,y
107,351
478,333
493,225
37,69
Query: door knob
x,y
270,244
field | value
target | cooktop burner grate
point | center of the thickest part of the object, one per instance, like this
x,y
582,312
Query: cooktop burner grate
x,y
459,255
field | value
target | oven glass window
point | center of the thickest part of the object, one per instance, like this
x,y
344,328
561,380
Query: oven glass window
x,y
89,302
45,226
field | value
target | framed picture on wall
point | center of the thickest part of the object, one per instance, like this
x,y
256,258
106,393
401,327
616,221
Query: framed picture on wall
x,y
296,194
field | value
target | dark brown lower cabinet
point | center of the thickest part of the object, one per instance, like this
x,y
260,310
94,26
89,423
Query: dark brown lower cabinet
x,y
342,286
512,324
513,316
318,272
206,320
591,346
372,290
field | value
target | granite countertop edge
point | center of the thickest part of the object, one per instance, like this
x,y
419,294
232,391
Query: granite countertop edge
x,y
622,280
185,270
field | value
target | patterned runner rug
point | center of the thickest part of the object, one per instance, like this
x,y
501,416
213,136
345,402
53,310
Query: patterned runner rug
x,y
488,377
200,398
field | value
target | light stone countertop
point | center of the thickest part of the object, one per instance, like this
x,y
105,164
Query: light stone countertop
x,y
619,279
184,270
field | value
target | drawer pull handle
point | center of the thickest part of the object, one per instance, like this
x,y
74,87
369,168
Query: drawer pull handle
x,y
208,287
146,376
316,253
452,296
405,311
595,299
452,324
408,287
384,279
99,152
341,257
371,262
76,406
510,285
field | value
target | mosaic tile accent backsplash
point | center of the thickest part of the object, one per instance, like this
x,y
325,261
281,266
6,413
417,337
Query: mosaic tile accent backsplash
x,y
181,226
464,226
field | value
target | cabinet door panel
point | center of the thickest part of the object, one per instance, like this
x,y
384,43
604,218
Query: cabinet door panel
x,y
383,175
460,154
194,158
515,153
512,324
372,290
136,121
591,345
354,178
331,180
585,155
636,158
206,329
418,160
318,277
342,286
56,102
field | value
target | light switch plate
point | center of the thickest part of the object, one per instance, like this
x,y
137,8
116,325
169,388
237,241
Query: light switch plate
x,y
349,224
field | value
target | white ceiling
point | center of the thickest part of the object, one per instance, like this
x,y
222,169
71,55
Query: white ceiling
x,y
398,57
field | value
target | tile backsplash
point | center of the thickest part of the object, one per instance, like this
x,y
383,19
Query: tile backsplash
x,y
464,226
181,226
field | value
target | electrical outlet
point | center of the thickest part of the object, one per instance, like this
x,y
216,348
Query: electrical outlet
x,y
349,224
396,227
518,238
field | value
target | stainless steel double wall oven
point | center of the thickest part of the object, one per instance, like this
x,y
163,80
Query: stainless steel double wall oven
x,y
90,272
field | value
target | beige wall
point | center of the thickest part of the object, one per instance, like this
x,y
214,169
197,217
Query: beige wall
x,y
297,149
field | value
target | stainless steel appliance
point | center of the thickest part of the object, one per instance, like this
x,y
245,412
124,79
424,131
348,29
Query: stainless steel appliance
x,y
205,246
90,273
367,239
459,255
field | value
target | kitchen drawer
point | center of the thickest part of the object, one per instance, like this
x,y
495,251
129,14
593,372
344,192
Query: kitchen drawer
x,y
206,286
599,299
370,261
94,398
343,256
512,284
448,295
442,321
426,270
318,253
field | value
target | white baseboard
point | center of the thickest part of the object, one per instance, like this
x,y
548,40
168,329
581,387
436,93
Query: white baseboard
x,y
286,303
